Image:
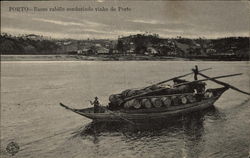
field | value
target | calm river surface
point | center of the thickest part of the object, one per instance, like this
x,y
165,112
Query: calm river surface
x,y
31,115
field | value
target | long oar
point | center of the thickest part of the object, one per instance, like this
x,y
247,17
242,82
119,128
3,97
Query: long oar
x,y
223,83
158,90
176,77
216,77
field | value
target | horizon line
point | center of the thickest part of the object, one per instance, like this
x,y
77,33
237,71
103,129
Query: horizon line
x,y
120,36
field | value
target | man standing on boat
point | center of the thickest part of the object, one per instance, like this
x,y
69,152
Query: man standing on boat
x,y
96,105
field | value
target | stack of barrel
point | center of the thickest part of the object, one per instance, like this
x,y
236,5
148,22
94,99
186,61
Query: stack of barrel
x,y
152,101
117,99
148,103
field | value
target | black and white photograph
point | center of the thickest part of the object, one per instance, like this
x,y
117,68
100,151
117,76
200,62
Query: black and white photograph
x,y
125,79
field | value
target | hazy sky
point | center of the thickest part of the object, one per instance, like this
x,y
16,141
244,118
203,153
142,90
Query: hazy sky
x,y
166,18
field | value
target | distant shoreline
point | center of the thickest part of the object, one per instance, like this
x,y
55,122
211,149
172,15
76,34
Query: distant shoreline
x,y
60,57
84,58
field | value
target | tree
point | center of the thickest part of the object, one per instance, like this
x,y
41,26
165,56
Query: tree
x,y
120,46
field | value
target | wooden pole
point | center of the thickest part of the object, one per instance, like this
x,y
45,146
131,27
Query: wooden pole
x,y
175,78
158,90
217,77
223,83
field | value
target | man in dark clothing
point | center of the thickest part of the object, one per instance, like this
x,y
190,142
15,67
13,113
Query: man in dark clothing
x,y
96,105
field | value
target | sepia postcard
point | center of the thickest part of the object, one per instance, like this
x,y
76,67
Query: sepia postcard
x,y
125,79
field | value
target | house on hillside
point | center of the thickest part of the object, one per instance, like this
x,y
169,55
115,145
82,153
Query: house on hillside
x,y
33,37
83,51
151,51
102,50
184,48
210,51
114,51
68,47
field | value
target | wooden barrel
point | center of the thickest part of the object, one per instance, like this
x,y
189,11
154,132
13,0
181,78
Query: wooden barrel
x,y
184,100
137,104
131,92
146,103
114,98
137,92
125,93
183,89
191,98
156,102
154,87
147,90
175,100
208,95
128,104
132,103
119,101
166,101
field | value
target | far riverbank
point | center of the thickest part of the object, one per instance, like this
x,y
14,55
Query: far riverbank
x,y
86,58
102,57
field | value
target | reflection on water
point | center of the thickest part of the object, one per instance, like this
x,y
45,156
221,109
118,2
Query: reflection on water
x,y
190,124
30,114
187,129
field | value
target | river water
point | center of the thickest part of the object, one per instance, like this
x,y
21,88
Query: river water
x,y
31,115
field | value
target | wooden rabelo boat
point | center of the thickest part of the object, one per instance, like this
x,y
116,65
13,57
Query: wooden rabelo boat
x,y
143,106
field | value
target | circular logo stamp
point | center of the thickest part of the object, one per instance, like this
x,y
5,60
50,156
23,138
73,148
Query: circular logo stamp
x,y
12,148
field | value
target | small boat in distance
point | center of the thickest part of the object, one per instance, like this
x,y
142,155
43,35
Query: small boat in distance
x,y
156,101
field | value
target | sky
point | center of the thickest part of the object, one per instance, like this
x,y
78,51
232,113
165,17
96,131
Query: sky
x,y
191,19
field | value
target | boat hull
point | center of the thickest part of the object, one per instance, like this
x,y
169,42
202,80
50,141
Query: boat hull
x,y
121,116
141,116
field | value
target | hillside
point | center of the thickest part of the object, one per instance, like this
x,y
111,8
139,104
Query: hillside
x,y
231,48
